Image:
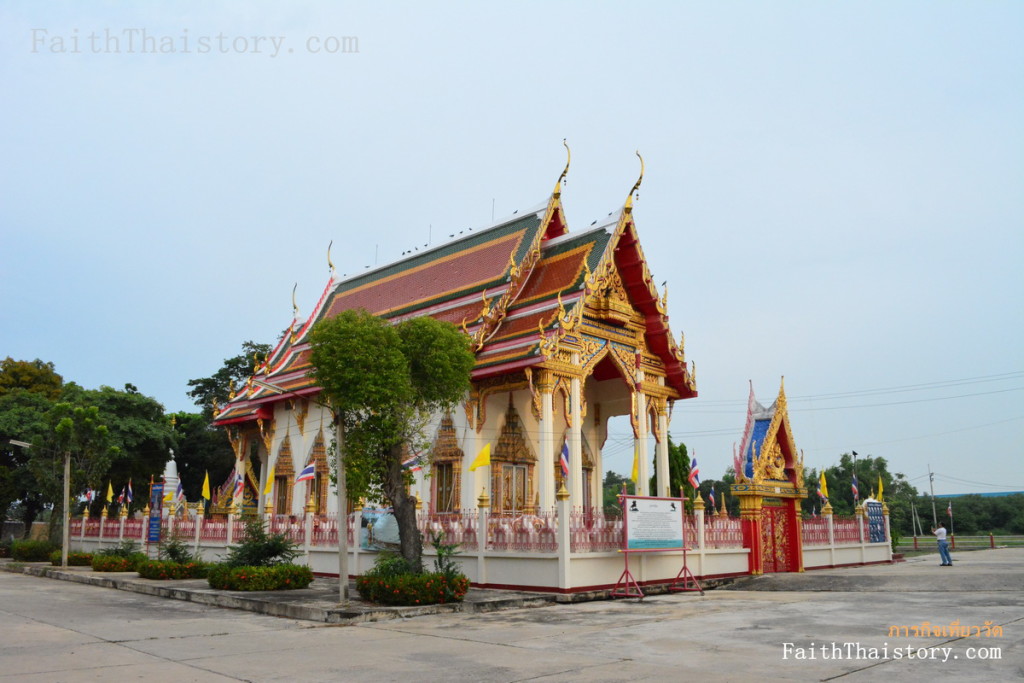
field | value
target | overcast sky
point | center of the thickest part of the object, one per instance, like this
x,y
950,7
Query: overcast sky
x,y
833,191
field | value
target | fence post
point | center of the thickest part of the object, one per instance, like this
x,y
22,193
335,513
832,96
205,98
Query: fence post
x,y
915,542
124,516
698,520
310,510
483,507
230,538
85,520
826,512
564,535
953,541
991,540
199,524
357,540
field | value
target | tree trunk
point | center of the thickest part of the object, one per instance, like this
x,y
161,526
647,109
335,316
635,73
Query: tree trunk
x,y
404,506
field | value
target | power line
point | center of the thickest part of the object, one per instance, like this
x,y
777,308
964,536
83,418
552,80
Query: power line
x,y
884,390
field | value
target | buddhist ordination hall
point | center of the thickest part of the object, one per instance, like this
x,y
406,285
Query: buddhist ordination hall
x,y
568,328
568,331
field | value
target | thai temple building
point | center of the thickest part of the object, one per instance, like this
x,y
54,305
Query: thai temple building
x,y
568,328
569,331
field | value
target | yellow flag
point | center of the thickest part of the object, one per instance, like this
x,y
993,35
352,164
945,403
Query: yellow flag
x,y
169,496
483,459
110,492
270,482
823,487
635,476
206,486
880,487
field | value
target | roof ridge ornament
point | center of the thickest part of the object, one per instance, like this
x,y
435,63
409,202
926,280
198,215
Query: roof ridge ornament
x,y
568,158
636,186
330,264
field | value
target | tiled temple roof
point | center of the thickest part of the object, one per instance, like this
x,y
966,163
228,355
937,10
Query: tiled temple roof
x,y
501,284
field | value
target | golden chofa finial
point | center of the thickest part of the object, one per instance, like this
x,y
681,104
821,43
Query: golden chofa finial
x,y
636,185
330,264
295,306
565,171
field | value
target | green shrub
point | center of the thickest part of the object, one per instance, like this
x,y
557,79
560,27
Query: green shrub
x,y
75,559
31,551
412,589
391,564
176,549
166,569
5,548
260,549
117,563
277,577
122,549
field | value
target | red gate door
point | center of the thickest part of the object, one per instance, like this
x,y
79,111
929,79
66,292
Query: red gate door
x,y
776,540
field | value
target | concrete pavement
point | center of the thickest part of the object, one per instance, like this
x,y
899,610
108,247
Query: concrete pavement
x,y
61,631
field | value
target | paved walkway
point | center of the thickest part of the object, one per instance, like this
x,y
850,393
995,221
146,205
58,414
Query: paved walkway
x,y
821,625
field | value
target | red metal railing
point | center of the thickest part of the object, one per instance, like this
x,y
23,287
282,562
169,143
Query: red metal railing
x,y
845,530
814,531
590,531
455,527
723,532
523,533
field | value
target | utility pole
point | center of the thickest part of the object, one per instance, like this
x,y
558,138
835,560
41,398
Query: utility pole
x,y
931,485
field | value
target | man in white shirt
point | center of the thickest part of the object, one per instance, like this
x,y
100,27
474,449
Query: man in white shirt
x,y
940,536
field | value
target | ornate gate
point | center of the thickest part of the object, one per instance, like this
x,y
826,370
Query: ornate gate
x,y
777,537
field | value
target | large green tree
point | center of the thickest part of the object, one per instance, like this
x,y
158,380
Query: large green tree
x,y
75,434
383,382
36,376
235,371
22,418
199,447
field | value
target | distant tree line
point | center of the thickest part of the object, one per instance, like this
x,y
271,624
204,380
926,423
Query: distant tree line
x,y
113,436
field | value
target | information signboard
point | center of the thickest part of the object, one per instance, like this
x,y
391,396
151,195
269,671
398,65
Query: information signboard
x,y
156,499
653,524
876,522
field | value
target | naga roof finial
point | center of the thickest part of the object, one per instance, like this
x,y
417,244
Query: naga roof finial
x,y
295,306
636,185
565,171
330,264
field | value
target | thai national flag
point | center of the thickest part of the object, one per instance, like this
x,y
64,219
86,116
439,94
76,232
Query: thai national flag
x,y
120,497
308,473
239,484
949,509
711,497
853,486
564,460
179,495
129,496
694,474
89,493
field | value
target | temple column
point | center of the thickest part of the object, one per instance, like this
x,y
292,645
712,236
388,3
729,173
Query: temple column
x,y
643,471
546,447
477,482
662,450
576,438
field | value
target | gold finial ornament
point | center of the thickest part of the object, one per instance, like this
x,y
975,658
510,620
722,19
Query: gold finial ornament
x,y
295,306
330,264
565,171
636,185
